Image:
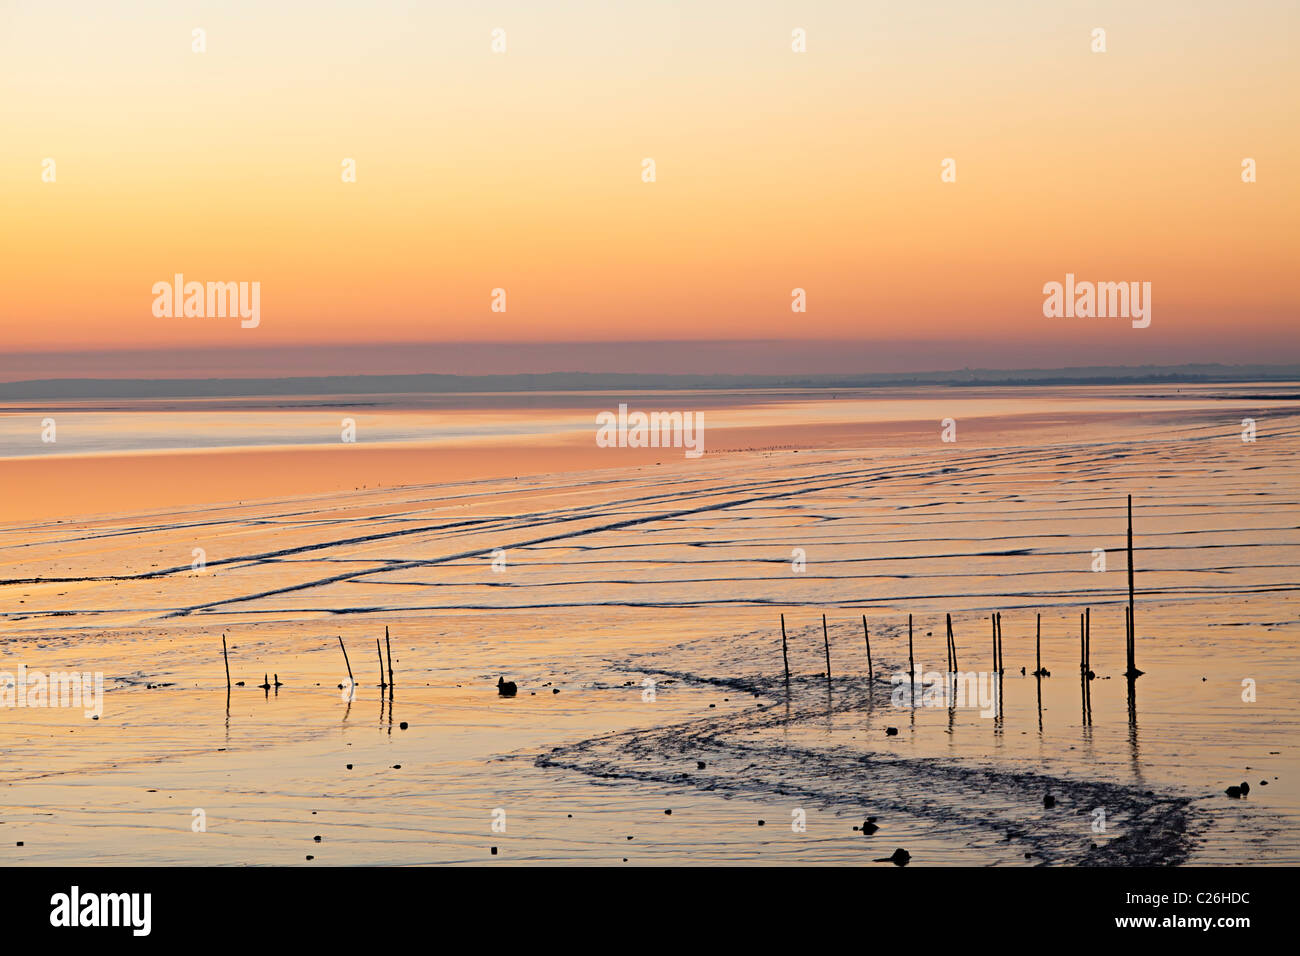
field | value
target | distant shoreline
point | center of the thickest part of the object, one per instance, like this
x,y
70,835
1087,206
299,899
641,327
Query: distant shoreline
x,y
104,388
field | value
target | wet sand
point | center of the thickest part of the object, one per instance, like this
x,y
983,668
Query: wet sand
x,y
675,572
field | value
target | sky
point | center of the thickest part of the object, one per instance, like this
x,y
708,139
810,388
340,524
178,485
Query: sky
x,y
522,170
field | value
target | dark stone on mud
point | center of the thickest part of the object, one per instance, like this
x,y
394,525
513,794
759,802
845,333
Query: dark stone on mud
x,y
349,766
1233,791
402,726
891,731
494,851
761,822
869,828
699,765
1049,801
1245,788
668,813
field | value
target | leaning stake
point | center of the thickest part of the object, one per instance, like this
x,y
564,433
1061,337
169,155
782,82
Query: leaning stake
x,y
345,661
867,636
785,654
390,656
226,656
826,639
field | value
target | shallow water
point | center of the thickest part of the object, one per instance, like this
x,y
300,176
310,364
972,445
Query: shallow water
x,y
679,572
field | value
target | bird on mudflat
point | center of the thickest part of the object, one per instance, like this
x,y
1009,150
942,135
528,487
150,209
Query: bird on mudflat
x,y
900,857
507,688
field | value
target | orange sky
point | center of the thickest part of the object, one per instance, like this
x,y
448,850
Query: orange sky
x,y
522,170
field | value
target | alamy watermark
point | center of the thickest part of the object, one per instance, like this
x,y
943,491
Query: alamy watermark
x,y
59,689
196,300
1101,300
651,430
974,689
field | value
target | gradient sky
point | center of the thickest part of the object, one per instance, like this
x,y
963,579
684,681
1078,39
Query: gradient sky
x,y
775,170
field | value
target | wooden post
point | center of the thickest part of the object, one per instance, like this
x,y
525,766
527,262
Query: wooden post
x,y
390,656
1038,645
1132,628
952,644
826,639
911,666
345,661
1001,665
1128,634
993,620
785,654
226,656
380,654
867,637
1087,641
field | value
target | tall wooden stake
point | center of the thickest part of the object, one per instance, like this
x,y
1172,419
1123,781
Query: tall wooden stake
x,y
785,654
380,653
826,639
390,657
867,637
226,656
1087,640
1132,621
1038,645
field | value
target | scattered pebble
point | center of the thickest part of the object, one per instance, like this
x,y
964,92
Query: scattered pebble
x,y
891,731
402,725
494,851
316,838
1049,801
699,765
